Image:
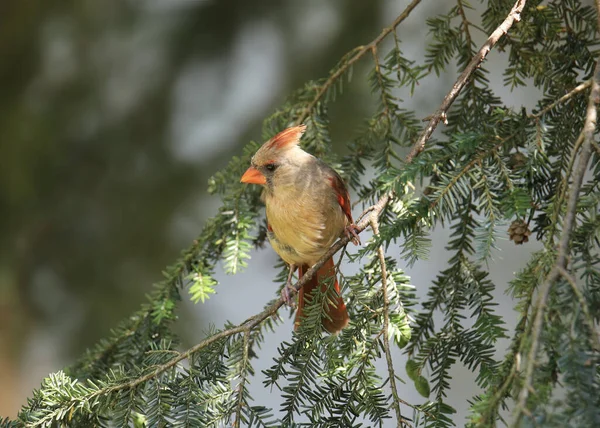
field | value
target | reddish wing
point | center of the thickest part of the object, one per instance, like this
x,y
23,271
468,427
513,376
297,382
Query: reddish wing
x,y
342,195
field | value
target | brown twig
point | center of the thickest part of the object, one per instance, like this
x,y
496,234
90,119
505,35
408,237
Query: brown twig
x,y
440,114
561,192
579,88
589,128
241,385
465,24
386,322
384,100
358,55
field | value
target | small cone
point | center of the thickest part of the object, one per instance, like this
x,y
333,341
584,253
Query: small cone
x,y
519,232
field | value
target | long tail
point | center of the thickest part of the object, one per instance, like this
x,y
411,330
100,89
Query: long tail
x,y
337,317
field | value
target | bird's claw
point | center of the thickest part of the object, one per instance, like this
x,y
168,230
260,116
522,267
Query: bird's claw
x,y
287,294
351,231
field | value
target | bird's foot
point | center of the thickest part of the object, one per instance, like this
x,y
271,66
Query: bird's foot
x,y
351,231
287,294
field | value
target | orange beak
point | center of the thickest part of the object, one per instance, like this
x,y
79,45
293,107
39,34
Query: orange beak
x,y
253,176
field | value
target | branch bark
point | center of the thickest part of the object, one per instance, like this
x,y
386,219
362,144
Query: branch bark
x,y
440,114
579,88
386,322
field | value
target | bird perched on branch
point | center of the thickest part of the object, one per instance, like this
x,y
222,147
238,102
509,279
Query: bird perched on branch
x,y
308,209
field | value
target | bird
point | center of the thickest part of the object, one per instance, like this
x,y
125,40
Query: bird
x,y
307,208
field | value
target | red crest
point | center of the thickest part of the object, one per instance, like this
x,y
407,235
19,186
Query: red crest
x,y
287,137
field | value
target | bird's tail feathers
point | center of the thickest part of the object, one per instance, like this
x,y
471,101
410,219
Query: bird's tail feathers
x,y
336,317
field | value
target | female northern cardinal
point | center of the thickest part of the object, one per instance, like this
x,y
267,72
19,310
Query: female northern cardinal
x,y
308,208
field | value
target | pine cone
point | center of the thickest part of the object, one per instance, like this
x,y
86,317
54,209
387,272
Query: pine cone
x,y
518,232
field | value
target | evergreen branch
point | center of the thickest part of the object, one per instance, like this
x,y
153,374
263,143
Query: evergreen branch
x,y
465,25
476,160
241,386
302,374
588,131
384,99
500,393
584,306
504,172
578,89
440,114
358,55
116,341
245,327
386,323
104,351
513,359
561,191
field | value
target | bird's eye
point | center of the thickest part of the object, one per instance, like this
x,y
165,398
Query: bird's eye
x,y
271,167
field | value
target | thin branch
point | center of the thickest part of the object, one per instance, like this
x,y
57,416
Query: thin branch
x,y
561,192
589,128
386,323
578,89
242,383
584,306
500,393
476,159
440,114
358,55
503,170
515,351
466,23
384,99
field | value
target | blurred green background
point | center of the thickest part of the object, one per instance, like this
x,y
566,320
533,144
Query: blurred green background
x,y
113,114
